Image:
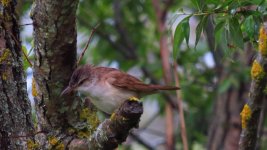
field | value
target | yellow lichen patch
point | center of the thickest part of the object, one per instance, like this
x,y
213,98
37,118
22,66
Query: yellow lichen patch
x,y
91,118
71,130
5,3
55,143
60,146
52,140
257,71
31,145
84,134
112,117
263,41
4,75
4,55
34,90
133,98
84,113
245,116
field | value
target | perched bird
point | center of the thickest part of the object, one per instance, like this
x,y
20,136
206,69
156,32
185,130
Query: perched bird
x,y
108,88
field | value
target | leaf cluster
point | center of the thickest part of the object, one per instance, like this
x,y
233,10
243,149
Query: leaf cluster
x,y
235,22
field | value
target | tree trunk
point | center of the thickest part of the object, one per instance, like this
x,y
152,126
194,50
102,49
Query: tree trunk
x,y
15,110
55,57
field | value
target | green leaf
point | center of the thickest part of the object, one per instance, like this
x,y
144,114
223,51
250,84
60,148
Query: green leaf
x,y
249,27
255,2
200,4
224,86
202,23
218,32
219,26
216,2
182,31
197,4
186,29
236,35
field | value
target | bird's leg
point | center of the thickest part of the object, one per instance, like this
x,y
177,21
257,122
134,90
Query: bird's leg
x,y
134,99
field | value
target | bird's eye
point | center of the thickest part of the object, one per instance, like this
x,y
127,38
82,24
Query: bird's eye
x,y
81,82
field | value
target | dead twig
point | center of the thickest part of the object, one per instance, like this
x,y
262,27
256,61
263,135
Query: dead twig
x,y
18,43
87,44
180,109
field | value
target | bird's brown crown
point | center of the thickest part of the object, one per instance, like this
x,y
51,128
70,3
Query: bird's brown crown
x,y
80,74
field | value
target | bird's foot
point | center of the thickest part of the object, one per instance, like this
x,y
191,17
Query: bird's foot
x,y
134,99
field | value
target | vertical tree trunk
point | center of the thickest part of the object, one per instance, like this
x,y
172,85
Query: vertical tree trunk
x,y
55,58
55,55
15,110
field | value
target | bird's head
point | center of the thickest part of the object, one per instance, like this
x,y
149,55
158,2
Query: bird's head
x,y
79,77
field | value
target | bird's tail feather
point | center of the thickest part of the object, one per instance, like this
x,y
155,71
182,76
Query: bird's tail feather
x,y
164,87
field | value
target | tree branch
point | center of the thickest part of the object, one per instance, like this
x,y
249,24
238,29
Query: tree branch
x,y
113,131
124,51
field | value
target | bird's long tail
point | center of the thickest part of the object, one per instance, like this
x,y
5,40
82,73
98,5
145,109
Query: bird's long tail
x,y
164,87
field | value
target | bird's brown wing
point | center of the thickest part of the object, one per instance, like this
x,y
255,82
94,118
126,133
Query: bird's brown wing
x,y
127,82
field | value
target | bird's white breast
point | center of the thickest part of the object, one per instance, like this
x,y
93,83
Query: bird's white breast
x,y
105,96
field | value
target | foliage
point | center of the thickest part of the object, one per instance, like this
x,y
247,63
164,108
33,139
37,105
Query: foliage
x,y
235,21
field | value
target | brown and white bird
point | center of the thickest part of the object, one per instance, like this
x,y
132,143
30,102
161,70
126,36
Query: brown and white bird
x,y
108,88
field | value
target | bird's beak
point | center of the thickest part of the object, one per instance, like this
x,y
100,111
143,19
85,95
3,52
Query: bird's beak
x,y
67,90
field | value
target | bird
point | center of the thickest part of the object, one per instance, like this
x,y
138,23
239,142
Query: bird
x,y
108,88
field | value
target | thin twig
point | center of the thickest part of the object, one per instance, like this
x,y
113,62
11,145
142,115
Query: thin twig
x,y
30,51
25,55
87,44
164,53
180,108
238,10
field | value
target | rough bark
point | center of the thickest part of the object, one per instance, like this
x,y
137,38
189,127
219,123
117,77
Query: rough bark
x,y
116,129
15,109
